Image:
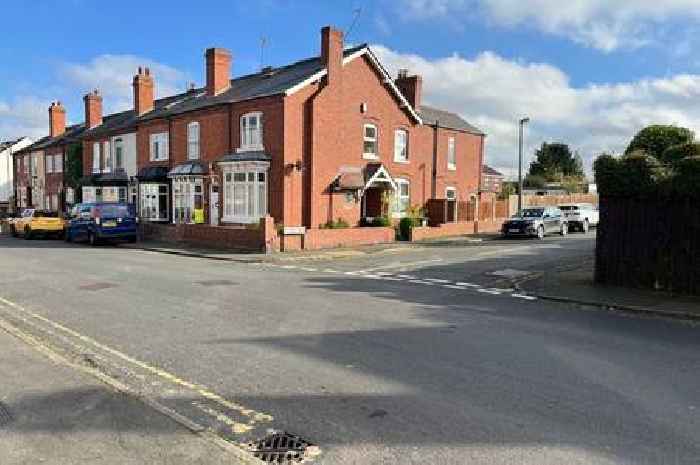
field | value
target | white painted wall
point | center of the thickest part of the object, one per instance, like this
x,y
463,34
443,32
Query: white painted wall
x,y
129,143
7,169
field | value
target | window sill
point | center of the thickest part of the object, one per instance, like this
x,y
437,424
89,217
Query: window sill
x,y
366,156
403,162
257,148
452,168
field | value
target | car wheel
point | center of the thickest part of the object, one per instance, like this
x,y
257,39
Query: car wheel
x,y
66,236
540,232
585,227
13,231
27,233
564,229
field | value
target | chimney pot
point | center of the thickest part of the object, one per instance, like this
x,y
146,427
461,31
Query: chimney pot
x,y
57,119
143,91
93,109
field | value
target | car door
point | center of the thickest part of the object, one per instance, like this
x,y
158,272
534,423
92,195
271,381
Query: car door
x,y
551,220
81,223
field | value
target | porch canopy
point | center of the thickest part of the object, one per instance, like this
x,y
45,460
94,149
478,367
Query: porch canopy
x,y
350,178
190,168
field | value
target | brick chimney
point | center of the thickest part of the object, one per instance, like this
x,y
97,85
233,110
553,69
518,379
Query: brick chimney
x,y
57,119
143,91
218,70
93,109
332,53
411,87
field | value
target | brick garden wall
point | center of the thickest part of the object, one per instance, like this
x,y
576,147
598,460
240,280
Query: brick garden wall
x,y
217,237
331,238
444,230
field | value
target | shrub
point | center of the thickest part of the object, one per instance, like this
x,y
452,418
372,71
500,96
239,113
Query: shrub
x,y
657,139
340,223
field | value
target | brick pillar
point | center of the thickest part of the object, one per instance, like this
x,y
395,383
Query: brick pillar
x,y
268,234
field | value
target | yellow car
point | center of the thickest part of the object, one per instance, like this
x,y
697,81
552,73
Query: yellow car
x,y
33,223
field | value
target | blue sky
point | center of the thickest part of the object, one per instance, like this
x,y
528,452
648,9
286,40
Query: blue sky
x,y
588,72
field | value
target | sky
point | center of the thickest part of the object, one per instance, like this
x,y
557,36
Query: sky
x,y
589,73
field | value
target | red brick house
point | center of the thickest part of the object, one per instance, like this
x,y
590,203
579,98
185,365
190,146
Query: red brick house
x,y
491,180
329,138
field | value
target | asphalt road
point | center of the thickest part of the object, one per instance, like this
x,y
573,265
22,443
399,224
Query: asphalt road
x,y
405,356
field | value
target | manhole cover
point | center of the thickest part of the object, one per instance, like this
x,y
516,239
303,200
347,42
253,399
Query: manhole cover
x,y
216,282
96,286
5,416
281,447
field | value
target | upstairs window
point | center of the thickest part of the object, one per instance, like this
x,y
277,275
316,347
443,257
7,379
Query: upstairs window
x,y
451,154
96,157
58,163
401,145
49,164
370,142
107,154
251,131
118,154
159,146
193,141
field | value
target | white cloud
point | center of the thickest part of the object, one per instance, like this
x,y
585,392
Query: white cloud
x,y
113,74
28,115
493,93
603,24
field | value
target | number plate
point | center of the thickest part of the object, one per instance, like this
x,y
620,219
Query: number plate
x,y
109,224
514,230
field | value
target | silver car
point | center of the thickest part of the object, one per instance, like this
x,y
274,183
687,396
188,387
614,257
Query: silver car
x,y
536,222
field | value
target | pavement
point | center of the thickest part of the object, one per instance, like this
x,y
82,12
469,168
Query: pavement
x,y
53,413
400,356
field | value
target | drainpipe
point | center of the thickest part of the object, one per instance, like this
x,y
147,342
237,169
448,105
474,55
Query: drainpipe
x,y
433,178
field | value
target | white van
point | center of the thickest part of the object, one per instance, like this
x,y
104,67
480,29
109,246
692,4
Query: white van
x,y
581,216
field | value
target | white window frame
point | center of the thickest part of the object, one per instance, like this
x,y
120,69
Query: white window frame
x,y
374,140
451,189
49,164
248,141
185,198
159,146
252,172
58,163
451,154
107,155
398,149
96,163
193,137
150,195
400,198
118,156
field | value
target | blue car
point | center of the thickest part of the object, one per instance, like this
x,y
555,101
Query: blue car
x,y
100,222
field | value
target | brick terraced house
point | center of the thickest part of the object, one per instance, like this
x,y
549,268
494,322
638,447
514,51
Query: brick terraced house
x,y
329,138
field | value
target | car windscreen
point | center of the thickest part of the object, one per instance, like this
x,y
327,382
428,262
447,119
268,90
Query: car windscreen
x,y
533,213
113,211
39,214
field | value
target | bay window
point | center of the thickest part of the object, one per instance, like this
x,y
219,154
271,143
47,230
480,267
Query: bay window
x,y
245,192
118,154
251,131
188,199
154,201
107,154
401,146
193,141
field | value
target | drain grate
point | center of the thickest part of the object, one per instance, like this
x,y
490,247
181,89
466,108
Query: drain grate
x,y
281,447
5,416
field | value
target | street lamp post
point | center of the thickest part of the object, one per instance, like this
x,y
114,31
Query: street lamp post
x,y
521,126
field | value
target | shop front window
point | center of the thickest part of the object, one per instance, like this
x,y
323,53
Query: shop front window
x,y
188,200
154,202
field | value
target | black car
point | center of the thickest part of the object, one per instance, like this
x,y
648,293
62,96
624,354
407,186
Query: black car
x,y
536,222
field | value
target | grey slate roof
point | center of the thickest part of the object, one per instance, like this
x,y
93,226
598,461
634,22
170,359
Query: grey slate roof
x,y
490,171
190,168
446,119
71,135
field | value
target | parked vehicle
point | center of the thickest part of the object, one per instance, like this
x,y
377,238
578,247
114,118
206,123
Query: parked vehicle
x,y
580,216
32,223
100,222
536,222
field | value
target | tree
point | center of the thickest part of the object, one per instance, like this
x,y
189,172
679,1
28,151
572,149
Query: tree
x,y
677,153
555,161
74,165
535,181
655,140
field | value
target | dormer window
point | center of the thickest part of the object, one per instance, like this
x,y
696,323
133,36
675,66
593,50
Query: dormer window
x,y
193,141
251,132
